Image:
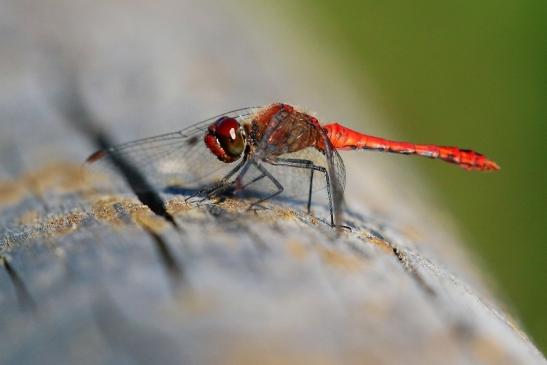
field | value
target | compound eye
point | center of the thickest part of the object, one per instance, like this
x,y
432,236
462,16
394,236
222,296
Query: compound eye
x,y
230,136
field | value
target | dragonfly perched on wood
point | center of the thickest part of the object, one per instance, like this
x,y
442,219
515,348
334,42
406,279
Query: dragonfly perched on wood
x,y
267,146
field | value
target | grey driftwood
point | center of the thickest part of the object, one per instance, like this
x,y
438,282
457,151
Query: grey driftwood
x,y
95,274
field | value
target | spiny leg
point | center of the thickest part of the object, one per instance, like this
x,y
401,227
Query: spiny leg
x,y
307,164
331,202
299,163
260,177
219,186
310,191
331,206
267,174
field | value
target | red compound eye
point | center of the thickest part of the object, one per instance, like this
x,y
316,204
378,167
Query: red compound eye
x,y
225,139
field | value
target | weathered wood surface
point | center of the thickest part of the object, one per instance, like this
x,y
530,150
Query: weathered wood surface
x,y
91,275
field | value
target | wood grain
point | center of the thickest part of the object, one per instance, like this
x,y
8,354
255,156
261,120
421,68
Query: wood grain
x,y
92,275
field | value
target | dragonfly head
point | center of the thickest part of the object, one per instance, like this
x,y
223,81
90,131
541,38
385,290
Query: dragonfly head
x,y
226,139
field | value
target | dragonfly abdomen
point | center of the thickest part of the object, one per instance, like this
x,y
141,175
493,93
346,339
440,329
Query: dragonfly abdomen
x,y
343,138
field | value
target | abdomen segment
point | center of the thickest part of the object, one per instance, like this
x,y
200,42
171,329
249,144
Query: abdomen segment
x,y
343,138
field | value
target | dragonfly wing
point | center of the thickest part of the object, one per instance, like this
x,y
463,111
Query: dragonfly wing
x,y
177,159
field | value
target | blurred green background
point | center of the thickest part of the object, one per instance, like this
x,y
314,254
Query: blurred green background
x,y
471,73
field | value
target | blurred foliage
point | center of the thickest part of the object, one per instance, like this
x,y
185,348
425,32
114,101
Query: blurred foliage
x,y
462,73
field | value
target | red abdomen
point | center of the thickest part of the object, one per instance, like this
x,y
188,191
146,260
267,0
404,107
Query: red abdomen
x,y
343,138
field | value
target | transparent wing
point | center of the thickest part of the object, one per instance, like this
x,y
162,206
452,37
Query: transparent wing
x,y
334,162
177,159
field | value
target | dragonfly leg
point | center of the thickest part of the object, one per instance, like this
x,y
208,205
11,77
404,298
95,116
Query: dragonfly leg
x,y
331,204
307,164
218,187
327,180
265,173
299,163
260,177
206,192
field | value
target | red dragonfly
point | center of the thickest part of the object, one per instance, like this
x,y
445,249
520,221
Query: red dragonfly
x,y
252,147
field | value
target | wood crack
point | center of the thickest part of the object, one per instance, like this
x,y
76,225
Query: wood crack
x,y
24,298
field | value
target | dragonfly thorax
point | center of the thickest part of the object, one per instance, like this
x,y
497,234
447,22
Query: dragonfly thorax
x,y
225,138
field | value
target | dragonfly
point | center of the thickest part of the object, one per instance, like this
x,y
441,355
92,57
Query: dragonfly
x,y
265,147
